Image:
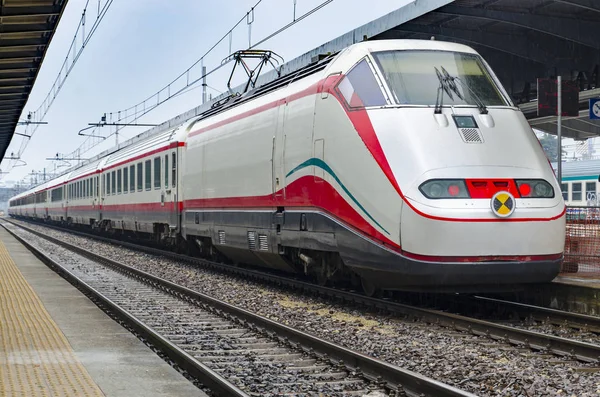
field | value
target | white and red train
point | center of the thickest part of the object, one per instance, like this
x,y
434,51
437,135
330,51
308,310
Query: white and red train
x,y
401,164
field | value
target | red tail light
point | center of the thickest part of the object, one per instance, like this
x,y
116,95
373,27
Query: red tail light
x,y
525,189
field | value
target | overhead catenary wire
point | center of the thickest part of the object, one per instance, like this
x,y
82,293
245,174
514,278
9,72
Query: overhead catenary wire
x,y
73,54
135,112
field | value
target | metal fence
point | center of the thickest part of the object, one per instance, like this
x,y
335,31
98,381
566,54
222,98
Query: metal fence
x,y
582,245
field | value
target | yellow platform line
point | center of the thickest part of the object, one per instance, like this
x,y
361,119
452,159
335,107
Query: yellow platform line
x,y
36,358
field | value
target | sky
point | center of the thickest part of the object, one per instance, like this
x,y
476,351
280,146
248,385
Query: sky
x,y
142,45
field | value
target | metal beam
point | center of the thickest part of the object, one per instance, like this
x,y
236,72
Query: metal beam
x,y
575,30
591,5
509,43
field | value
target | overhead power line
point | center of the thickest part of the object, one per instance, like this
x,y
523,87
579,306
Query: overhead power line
x,y
80,40
183,82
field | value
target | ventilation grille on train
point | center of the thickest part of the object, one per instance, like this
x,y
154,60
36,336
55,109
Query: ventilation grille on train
x,y
471,135
221,237
263,244
252,240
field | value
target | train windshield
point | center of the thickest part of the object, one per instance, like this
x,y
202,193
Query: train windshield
x,y
414,78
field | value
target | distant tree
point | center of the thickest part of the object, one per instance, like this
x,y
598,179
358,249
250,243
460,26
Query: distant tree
x,y
549,143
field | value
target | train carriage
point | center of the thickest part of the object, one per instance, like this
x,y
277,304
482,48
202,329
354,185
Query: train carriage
x,y
398,164
82,196
139,186
56,208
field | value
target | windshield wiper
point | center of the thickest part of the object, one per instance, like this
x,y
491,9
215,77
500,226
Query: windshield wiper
x,y
450,79
439,100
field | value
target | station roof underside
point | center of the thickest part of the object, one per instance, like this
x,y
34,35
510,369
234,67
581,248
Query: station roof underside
x,y
26,29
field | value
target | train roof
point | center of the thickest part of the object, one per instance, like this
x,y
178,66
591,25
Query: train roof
x,y
140,148
579,168
86,169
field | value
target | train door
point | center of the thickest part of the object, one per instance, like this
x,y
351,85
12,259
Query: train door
x,y
171,183
46,200
96,196
277,161
101,197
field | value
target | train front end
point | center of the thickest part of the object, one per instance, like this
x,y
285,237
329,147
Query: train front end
x,y
481,206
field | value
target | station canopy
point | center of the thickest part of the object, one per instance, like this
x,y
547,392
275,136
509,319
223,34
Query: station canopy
x,y
26,29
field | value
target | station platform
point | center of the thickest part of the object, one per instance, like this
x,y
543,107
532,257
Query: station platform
x,y
575,280
55,342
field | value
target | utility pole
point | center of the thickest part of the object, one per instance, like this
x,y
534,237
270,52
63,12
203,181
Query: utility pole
x,y
203,84
559,121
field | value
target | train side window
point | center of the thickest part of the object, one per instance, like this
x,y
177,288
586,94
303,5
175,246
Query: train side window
x,y
565,191
174,169
103,185
148,174
108,183
113,182
360,89
119,182
166,171
157,169
576,191
590,190
125,180
132,178
97,186
140,177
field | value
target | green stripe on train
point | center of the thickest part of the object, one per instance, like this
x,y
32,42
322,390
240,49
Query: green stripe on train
x,y
321,164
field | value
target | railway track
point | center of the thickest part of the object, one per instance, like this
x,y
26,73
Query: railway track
x,y
523,338
227,349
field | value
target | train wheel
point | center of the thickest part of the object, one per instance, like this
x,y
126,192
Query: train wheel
x,y
321,279
369,288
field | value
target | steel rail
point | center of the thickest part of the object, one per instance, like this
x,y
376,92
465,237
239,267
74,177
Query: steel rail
x,y
205,375
544,314
545,343
393,377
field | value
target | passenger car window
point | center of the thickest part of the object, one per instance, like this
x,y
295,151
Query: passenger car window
x,y
148,176
132,178
119,181
174,169
157,173
360,89
140,177
166,171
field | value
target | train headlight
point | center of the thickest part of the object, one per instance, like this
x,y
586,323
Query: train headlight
x,y
535,188
444,189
